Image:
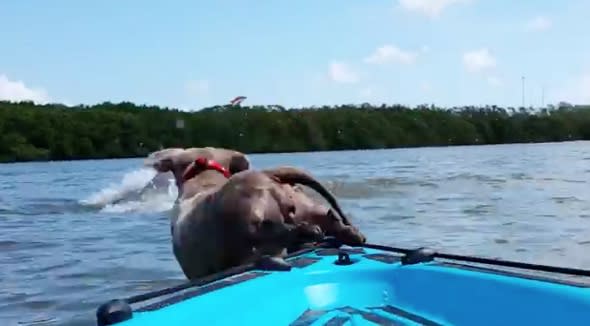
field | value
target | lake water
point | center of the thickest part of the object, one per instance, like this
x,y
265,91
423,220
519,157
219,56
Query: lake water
x,y
64,249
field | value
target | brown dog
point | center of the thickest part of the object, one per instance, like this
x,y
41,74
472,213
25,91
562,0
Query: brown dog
x,y
232,221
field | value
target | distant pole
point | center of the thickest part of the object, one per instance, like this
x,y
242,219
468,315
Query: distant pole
x,y
523,91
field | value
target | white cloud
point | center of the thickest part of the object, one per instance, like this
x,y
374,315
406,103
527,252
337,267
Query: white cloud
x,y
478,60
197,87
429,8
391,54
341,73
538,24
16,90
425,86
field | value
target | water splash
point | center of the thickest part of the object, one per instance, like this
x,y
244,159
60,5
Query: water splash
x,y
150,203
134,193
132,182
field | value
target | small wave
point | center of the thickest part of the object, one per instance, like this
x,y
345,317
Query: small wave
x,y
501,241
478,209
395,217
470,176
565,199
453,197
429,185
390,182
573,181
48,206
6,210
41,321
352,190
11,245
520,176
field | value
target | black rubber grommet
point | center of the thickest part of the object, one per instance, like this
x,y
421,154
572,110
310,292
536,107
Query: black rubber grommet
x,y
420,255
113,312
343,259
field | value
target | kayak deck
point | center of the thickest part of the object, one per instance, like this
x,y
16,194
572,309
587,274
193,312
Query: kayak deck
x,y
367,286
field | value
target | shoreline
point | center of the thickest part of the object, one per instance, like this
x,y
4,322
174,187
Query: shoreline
x,y
47,133
303,152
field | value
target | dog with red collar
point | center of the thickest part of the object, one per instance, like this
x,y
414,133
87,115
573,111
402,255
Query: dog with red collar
x,y
227,214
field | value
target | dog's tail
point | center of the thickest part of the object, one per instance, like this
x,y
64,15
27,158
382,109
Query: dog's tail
x,y
291,175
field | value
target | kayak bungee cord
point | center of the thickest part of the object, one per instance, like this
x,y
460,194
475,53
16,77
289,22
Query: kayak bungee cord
x,y
488,261
264,263
332,243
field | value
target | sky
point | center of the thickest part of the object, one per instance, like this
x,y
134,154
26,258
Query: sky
x,y
193,54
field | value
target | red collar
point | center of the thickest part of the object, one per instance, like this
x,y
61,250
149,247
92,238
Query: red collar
x,y
201,164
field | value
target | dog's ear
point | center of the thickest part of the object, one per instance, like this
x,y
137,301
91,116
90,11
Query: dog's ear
x,y
238,163
162,160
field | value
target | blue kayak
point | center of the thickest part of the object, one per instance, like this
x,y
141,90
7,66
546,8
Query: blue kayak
x,y
331,284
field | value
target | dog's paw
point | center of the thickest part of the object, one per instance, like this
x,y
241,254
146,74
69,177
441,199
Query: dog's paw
x,y
351,236
310,232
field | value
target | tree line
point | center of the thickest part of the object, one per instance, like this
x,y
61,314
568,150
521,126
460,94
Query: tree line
x,y
120,130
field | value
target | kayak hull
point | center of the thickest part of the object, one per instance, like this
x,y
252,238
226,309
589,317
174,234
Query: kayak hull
x,y
365,286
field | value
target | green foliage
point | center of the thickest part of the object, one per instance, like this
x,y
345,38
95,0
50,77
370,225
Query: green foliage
x,y
107,130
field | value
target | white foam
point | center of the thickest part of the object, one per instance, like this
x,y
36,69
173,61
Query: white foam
x,y
111,199
154,203
132,181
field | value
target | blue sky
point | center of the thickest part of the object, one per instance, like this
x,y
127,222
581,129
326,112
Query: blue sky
x,y
191,54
